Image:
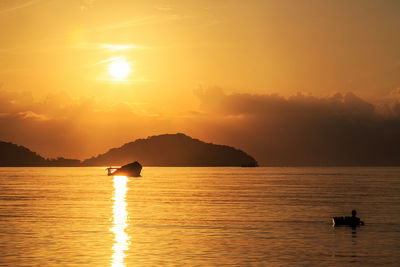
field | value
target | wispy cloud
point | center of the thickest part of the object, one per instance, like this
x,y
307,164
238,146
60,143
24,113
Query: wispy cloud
x,y
111,59
108,46
163,7
140,21
83,46
32,115
87,4
21,6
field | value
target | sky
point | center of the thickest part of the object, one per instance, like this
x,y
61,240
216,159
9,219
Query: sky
x,y
81,76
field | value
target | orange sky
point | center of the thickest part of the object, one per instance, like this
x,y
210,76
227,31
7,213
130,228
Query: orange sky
x,y
58,97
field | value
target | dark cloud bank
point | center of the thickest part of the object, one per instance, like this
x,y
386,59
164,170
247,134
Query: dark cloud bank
x,y
341,130
304,130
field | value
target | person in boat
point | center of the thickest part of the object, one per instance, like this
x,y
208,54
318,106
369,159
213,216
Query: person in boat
x,y
354,220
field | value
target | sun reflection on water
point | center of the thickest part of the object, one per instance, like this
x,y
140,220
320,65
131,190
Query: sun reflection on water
x,y
120,221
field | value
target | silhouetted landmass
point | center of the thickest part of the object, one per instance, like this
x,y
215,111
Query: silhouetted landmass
x,y
162,150
12,155
172,150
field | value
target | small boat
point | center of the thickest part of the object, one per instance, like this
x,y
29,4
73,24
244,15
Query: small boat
x,y
348,220
250,164
352,220
132,170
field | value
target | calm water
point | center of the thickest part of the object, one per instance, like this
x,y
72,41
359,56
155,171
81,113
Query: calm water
x,y
198,217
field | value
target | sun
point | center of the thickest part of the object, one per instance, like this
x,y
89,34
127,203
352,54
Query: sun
x,y
119,69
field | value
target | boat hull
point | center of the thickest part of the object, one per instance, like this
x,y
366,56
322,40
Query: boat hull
x,y
349,221
132,170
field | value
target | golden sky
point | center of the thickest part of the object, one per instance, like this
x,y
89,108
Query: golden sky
x,y
85,75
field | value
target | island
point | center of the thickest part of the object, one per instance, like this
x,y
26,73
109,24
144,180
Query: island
x,y
178,150
12,155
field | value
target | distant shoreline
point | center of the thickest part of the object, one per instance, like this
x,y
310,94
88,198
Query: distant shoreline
x,y
173,150
276,166
169,150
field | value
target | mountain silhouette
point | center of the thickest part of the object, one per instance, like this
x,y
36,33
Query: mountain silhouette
x,y
12,155
173,150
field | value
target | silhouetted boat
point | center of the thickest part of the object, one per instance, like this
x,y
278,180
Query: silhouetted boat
x,y
352,221
250,164
132,170
348,220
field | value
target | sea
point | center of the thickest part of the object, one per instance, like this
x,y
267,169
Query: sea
x,y
199,217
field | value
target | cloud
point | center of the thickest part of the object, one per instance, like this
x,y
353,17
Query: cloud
x,y
395,92
86,4
341,129
163,7
108,47
32,115
304,130
214,99
20,6
59,125
140,21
